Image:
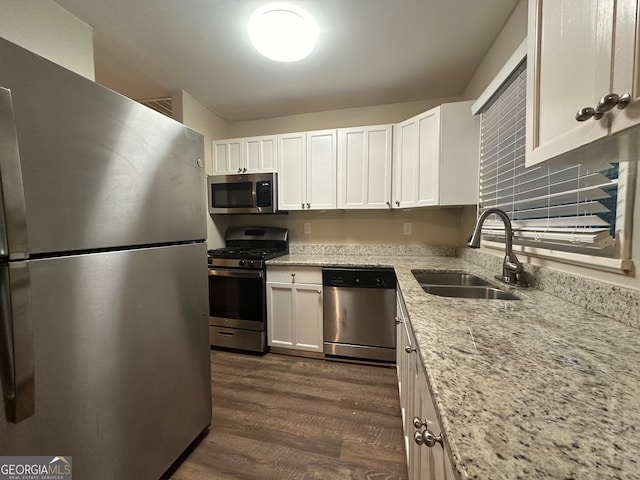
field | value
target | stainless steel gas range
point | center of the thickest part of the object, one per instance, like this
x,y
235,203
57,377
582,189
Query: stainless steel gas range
x,y
237,286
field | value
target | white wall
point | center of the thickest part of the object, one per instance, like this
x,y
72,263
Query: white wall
x,y
50,31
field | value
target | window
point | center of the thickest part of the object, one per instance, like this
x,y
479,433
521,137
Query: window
x,y
566,212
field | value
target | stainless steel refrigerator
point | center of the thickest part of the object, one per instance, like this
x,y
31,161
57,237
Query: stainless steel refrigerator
x,y
104,352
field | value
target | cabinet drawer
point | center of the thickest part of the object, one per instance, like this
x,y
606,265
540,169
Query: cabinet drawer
x,y
289,274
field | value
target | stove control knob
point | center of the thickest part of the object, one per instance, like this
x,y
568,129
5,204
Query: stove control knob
x,y
250,263
380,282
241,263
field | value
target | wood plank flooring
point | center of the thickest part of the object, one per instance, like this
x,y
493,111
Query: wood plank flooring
x,y
283,417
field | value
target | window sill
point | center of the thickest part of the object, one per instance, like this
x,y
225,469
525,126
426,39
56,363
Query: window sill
x,y
611,265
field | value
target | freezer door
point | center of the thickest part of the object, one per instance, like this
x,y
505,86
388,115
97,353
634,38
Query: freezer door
x,y
98,169
121,356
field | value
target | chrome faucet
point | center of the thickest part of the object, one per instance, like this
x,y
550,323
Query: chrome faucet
x,y
512,271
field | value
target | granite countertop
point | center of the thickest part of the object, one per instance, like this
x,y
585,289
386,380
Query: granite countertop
x,y
537,388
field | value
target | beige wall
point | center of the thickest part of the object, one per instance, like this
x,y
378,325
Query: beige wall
x,y
430,226
115,72
348,117
511,35
189,111
50,31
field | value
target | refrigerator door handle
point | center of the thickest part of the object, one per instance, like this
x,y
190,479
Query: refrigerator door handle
x,y
13,218
16,342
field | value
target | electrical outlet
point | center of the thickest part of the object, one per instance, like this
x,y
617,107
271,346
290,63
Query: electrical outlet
x,y
406,228
307,228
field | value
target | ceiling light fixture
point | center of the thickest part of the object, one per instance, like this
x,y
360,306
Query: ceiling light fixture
x,y
283,32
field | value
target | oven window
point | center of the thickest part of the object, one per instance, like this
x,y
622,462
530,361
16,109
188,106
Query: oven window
x,y
226,195
237,298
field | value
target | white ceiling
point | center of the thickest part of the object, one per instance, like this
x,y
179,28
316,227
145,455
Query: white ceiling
x,y
370,52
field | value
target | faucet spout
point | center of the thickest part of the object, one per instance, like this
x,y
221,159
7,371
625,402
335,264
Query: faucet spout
x,y
512,271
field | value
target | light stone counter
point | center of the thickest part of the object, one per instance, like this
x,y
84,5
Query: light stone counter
x,y
537,388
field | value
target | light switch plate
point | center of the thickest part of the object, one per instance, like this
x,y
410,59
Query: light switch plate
x,y
406,228
307,228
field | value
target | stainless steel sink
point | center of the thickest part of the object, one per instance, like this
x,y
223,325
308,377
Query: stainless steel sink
x,y
486,292
448,278
460,285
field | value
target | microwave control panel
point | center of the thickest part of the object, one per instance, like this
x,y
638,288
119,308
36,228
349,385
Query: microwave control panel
x,y
263,194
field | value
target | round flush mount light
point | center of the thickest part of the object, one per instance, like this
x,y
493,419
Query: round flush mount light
x,y
283,32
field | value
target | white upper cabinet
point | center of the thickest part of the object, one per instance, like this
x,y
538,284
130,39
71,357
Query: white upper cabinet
x,y
245,155
436,158
578,53
226,156
364,167
307,163
260,154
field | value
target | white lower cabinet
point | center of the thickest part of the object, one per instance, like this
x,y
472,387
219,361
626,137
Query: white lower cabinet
x,y
427,457
294,308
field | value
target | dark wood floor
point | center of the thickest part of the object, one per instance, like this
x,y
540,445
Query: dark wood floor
x,y
283,417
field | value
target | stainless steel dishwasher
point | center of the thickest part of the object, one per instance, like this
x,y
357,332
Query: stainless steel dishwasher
x,y
359,309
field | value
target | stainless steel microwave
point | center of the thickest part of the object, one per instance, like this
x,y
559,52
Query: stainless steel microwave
x,y
243,193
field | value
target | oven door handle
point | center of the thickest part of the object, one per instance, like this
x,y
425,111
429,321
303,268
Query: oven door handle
x,y
235,273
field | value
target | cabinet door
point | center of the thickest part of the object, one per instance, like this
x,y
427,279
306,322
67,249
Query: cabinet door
x,y
292,186
406,363
433,461
626,74
307,322
416,164
227,156
260,153
568,67
322,159
364,167
428,158
459,154
405,165
280,315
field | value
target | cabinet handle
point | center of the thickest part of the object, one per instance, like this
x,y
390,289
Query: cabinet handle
x,y
319,292
308,205
398,321
585,113
388,204
419,423
244,169
426,437
611,100
397,203
410,349
605,105
302,205
624,101
239,170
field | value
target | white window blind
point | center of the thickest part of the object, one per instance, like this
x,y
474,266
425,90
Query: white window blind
x,y
563,207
